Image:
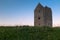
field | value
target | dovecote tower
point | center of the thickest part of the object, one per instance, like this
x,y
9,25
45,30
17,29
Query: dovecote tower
x,y
42,16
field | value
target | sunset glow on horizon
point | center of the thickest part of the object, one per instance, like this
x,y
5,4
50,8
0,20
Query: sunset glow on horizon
x,y
21,12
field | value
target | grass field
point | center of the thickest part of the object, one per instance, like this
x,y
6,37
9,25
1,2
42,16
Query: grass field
x,y
29,33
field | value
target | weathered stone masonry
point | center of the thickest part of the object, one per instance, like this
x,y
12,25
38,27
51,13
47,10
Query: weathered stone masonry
x,y
42,16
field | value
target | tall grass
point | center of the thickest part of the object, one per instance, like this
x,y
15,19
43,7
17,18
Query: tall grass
x,y
29,33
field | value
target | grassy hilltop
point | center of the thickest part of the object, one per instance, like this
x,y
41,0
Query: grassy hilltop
x,y
29,33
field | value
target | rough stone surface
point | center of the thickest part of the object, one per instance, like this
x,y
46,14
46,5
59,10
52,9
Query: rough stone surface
x,y
42,16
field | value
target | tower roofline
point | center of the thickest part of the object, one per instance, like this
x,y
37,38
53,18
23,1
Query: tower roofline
x,y
47,7
39,5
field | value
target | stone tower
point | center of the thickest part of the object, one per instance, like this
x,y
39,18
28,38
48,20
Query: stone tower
x,y
42,16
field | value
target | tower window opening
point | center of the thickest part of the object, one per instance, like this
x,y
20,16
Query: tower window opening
x,y
39,11
39,23
39,18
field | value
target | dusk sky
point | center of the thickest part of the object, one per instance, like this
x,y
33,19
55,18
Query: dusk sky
x,y
21,12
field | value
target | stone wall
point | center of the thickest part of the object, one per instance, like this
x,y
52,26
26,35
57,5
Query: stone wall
x,y
42,16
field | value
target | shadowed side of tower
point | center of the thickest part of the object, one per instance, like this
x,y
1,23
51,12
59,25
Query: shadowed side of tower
x,y
47,16
42,16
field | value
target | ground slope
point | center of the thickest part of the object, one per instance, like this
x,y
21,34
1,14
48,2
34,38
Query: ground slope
x,y
29,33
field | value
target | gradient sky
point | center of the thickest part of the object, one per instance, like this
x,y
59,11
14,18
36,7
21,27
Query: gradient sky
x,y
21,12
